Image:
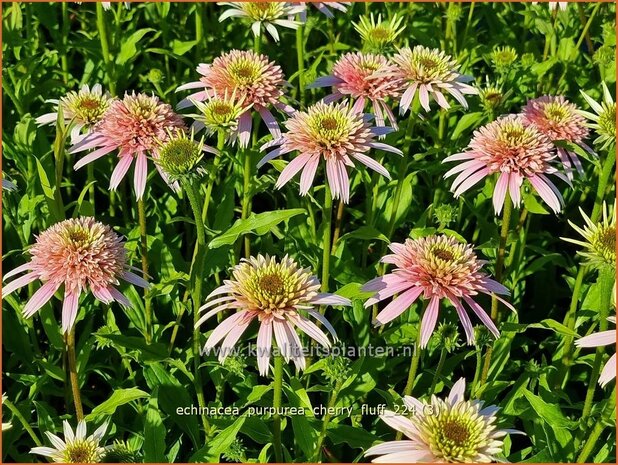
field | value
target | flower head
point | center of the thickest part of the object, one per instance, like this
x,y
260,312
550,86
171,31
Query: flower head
x,y
430,72
603,119
242,73
134,126
559,120
503,58
84,109
76,447
513,150
220,113
276,293
333,132
600,339
600,239
434,268
553,6
80,254
267,14
364,77
452,430
180,156
379,34
493,97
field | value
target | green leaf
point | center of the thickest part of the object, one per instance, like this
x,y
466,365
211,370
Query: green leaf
x,y
154,435
533,205
550,413
354,437
119,397
212,451
305,434
148,352
365,233
128,48
465,122
258,224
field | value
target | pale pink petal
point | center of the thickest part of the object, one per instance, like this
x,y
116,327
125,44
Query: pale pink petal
x,y
457,392
292,169
264,346
19,282
120,171
94,156
428,323
399,305
500,192
69,310
141,173
483,316
602,338
40,298
308,174
609,371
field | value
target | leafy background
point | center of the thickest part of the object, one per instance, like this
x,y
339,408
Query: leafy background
x,y
50,49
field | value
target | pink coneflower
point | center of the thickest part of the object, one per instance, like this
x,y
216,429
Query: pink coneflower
x,y
452,430
430,72
516,152
364,77
434,268
278,294
334,132
602,338
80,254
84,109
559,120
244,73
134,126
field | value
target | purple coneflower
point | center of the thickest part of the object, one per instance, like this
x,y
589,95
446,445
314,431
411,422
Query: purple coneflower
x,y
430,72
80,254
333,132
279,294
134,126
559,120
451,430
248,75
515,152
364,77
434,268
84,109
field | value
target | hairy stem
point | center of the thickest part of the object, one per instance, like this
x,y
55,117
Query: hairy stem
x,y
197,269
411,377
277,395
104,40
77,398
495,314
608,416
326,420
17,414
141,213
326,236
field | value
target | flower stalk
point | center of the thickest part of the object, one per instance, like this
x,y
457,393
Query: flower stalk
x,y
141,213
277,395
77,398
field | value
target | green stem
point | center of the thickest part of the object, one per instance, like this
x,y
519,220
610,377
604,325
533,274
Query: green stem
x,y
300,56
213,175
401,172
141,213
77,398
338,221
587,26
90,177
197,271
326,236
326,420
569,321
606,173
17,414
606,278
277,395
104,40
609,414
411,377
64,62
438,371
199,28
246,200
495,314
